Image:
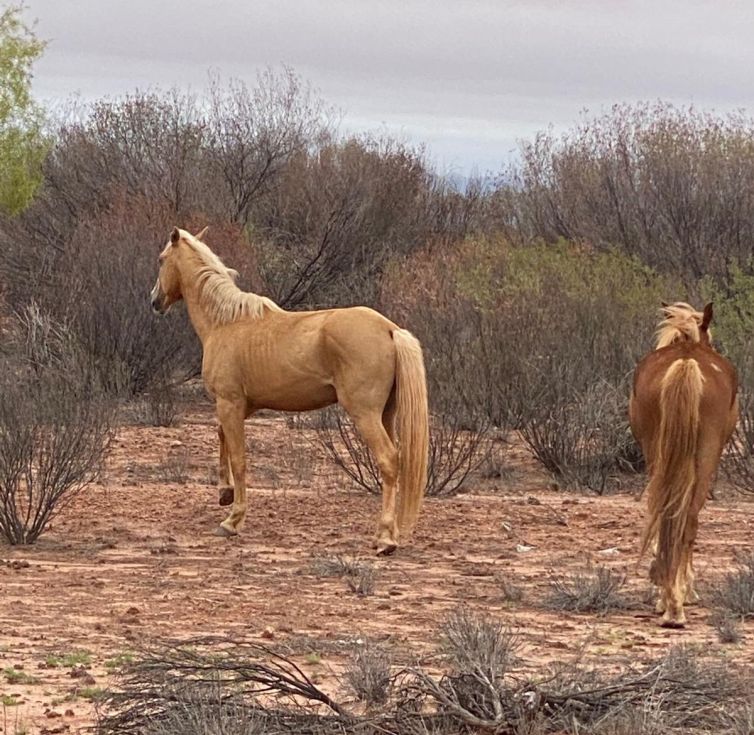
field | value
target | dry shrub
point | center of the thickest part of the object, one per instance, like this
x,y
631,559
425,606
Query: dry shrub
x,y
733,325
368,675
55,426
335,216
223,682
735,592
455,451
360,577
666,184
727,626
476,643
594,589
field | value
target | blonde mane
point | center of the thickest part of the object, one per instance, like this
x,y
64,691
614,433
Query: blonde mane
x,y
219,295
681,322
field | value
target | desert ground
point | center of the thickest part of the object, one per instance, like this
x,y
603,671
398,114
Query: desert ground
x,y
134,560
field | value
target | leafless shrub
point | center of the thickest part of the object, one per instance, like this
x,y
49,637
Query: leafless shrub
x,y
175,468
55,425
727,626
336,216
735,592
360,576
157,406
335,566
594,589
363,583
581,437
662,183
368,675
455,451
475,643
510,590
229,681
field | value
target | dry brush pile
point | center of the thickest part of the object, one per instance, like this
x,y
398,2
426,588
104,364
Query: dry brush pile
x,y
237,687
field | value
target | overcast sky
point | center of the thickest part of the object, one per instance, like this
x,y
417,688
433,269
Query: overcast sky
x,y
467,77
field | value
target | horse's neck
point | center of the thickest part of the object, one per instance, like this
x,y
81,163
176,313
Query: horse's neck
x,y
198,316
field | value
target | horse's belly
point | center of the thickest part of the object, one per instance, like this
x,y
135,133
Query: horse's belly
x,y
297,398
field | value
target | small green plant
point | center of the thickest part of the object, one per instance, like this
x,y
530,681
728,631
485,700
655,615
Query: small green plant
x,y
16,676
313,659
93,694
119,661
68,660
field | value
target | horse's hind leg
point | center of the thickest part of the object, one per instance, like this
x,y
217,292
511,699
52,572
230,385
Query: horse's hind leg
x,y
226,476
231,415
372,428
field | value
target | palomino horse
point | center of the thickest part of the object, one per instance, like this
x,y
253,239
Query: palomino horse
x,y
256,355
683,410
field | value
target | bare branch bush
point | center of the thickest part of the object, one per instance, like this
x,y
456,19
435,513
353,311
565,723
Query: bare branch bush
x,y
360,577
368,675
666,184
734,593
593,589
55,426
223,684
336,216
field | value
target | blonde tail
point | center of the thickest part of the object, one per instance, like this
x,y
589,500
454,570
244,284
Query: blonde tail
x,y
671,487
412,419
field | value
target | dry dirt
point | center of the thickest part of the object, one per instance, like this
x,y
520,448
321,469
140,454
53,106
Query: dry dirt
x,y
133,560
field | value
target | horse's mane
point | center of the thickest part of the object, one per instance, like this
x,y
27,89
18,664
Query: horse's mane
x,y
219,295
681,322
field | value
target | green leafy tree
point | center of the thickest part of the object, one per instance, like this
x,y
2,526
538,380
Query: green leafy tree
x,y
22,146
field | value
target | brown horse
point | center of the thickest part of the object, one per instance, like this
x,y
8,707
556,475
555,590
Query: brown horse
x,y
683,410
256,355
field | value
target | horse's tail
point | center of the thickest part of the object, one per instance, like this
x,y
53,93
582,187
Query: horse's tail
x,y
413,427
671,487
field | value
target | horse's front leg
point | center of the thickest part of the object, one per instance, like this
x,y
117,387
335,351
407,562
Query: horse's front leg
x,y
226,476
231,414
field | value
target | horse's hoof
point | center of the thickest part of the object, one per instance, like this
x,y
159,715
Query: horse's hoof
x,y
673,624
226,496
386,549
223,532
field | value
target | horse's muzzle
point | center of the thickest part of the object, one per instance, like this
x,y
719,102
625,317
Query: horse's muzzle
x,y
157,302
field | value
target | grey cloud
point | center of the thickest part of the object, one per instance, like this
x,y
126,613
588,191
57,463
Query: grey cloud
x,y
469,77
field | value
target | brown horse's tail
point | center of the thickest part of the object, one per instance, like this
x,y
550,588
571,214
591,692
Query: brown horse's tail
x,y
413,427
671,487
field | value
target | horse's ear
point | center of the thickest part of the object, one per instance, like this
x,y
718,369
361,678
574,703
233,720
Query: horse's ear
x,y
665,304
234,274
200,235
706,317
175,236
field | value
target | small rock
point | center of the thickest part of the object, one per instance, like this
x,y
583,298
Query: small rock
x,y
52,714
612,551
268,633
69,713
175,444
531,500
523,548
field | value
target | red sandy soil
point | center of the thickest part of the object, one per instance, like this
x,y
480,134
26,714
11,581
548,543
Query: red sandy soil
x,y
134,560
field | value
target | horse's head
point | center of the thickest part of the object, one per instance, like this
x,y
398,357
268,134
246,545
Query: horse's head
x,y
168,289
684,323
